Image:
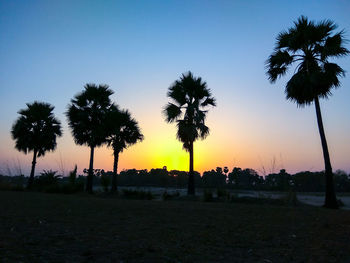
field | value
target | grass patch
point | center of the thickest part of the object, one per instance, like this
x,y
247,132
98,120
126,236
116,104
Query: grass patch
x,y
39,227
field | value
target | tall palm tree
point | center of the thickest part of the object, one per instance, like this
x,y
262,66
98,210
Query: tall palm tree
x,y
310,46
190,100
36,130
123,132
86,117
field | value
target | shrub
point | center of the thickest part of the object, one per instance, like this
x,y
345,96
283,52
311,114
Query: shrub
x,y
46,182
49,182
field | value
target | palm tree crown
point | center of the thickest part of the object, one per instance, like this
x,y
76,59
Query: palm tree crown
x,y
311,46
123,129
190,99
36,129
87,113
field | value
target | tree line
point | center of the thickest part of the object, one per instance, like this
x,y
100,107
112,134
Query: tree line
x,y
308,47
238,178
219,178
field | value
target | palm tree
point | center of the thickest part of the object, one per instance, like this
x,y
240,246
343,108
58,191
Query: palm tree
x,y
36,130
86,118
123,132
310,45
190,98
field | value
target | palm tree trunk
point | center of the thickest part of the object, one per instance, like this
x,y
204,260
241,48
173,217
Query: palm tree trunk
x,y
90,177
330,199
191,189
115,169
31,177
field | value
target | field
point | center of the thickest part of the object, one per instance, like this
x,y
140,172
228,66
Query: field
x,y
38,227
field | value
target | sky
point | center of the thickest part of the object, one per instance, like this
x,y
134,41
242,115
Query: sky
x,y
50,49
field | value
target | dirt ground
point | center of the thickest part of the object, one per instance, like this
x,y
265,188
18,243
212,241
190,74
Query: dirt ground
x,y
38,227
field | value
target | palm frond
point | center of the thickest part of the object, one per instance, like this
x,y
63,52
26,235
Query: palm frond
x,y
172,112
87,113
277,64
333,47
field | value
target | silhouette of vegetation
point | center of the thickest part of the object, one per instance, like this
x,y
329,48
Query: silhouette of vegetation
x,y
47,182
239,179
50,182
87,115
123,132
190,98
36,131
310,45
105,182
214,178
13,183
73,175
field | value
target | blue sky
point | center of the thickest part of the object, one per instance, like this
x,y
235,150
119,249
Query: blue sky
x,y
50,49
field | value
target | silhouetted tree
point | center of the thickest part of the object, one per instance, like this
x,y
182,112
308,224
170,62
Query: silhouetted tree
x,y
190,98
123,132
214,178
36,130
310,45
87,117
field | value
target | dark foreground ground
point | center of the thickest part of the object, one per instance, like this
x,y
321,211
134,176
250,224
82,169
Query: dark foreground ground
x,y
36,227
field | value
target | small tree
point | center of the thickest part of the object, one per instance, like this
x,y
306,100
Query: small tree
x,y
36,130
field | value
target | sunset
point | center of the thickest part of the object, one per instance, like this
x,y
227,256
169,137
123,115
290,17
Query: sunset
x,y
127,88
50,51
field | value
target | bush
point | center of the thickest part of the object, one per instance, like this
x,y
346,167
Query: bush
x,y
49,182
46,182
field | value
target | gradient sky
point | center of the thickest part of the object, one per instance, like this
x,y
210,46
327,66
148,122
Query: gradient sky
x,y
50,49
